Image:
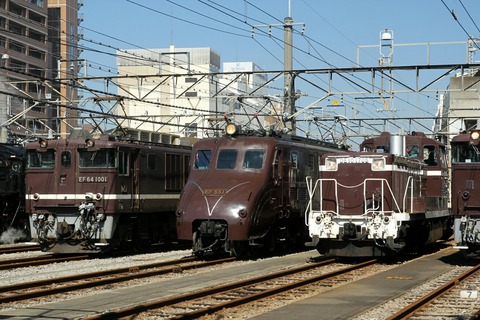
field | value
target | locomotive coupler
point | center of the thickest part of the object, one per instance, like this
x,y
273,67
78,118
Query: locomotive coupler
x,y
89,218
349,230
43,223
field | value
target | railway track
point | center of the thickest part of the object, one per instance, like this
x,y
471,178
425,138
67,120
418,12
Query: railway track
x,y
20,248
37,261
445,302
207,301
37,289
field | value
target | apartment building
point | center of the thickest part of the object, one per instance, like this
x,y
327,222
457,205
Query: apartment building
x,y
37,36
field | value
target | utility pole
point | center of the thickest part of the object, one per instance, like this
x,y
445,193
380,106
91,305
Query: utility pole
x,y
289,84
289,79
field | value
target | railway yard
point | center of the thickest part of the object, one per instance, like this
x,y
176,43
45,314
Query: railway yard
x,y
175,285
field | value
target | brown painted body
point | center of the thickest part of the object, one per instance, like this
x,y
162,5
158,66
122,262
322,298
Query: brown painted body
x,y
381,200
465,177
135,189
247,204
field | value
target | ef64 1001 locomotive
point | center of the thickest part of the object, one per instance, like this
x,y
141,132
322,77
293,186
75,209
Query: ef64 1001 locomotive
x,y
247,190
93,195
392,196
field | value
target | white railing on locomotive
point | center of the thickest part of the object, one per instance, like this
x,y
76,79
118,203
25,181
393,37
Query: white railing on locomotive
x,y
311,196
469,231
408,186
312,190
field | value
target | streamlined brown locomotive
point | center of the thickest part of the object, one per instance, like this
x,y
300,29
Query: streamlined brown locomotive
x,y
389,197
94,195
246,191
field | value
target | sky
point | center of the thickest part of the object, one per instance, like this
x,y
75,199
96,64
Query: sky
x,y
328,34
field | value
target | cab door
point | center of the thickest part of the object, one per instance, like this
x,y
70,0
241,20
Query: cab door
x,y
67,173
281,175
135,176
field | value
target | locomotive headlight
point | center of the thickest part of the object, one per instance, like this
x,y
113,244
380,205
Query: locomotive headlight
x,y
475,135
331,164
465,195
231,129
89,143
378,164
43,143
36,197
242,213
98,196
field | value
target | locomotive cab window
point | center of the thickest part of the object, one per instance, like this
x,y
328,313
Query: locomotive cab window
x,y
123,163
382,149
202,159
66,159
103,158
412,151
465,153
294,159
430,155
311,162
37,159
226,159
253,159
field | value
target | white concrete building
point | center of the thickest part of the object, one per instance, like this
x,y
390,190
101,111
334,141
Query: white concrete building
x,y
248,95
170,93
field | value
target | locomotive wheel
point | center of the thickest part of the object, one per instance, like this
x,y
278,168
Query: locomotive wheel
x,y
238,248
196,245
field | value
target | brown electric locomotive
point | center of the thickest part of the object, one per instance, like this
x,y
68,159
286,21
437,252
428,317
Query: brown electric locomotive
x,y
95,195
246,191
389,197
465,195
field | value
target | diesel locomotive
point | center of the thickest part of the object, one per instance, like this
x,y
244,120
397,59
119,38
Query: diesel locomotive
x,y
95,195
246,192
465,173
391,196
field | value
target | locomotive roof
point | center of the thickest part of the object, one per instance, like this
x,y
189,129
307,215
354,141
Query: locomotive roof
x,y
7,150
278,138
106,140
384,138
463,137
